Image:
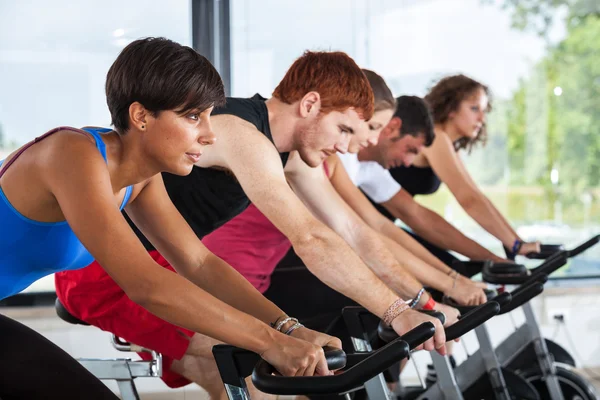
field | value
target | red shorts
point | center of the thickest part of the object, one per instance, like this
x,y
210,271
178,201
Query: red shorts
x,y
92,296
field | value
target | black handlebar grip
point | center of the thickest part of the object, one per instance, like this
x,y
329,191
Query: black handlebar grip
x,y
435,314
550,265
505,273
546,250
523,295
336,358
503,299
374,364
583,247
413,337
472,320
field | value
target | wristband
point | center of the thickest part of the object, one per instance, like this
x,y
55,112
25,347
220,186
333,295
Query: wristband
x,y
517,246
430,304
397,308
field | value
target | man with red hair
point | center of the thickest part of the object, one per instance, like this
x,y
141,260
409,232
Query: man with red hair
x,y
263,147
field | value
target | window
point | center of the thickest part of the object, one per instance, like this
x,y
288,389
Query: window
x,y
540,165
54,56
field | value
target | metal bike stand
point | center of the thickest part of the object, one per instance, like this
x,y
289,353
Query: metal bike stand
x,y
376,387
528,333
124,370
446,387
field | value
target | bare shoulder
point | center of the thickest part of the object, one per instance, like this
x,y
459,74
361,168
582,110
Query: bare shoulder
x,y
65,157
59,140
227,123
153,184
70,145
442,145
442,139
237,139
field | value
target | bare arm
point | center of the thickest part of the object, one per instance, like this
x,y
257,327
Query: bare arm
x,y
434,228
154,213
362,206
313,187
82,187
439,276
257,166
448,166
261,175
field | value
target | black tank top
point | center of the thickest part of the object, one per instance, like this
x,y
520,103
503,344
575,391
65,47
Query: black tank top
x,y
207,198
415,180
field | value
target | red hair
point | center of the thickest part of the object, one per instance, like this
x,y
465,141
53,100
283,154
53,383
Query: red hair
x,y
335,76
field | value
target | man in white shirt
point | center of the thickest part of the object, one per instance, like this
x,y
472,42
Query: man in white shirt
x,y
370,177
399,142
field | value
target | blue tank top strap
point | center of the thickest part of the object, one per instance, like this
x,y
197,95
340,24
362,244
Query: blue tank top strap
x,y
99,143
95,132
126,197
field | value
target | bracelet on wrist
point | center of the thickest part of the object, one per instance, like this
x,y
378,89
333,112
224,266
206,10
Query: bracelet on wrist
x,y
395,309
518,243
297,325
430,304
285,321
454,281
274,323
413,303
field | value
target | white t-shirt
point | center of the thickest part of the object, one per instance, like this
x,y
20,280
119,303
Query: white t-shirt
x,y
372,178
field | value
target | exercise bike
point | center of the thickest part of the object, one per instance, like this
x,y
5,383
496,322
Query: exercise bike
x,y
552,373
369,333
235,364
122,370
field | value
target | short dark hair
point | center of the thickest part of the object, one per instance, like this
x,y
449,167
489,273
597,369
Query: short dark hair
x,y
416,118
161,75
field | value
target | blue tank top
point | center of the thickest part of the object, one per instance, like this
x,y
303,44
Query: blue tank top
x,y
30,250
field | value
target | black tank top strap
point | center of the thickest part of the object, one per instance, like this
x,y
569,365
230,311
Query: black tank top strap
x,y
253,110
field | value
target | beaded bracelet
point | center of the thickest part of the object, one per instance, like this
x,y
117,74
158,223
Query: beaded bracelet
x,y
397,308
274,323
297,325
285,321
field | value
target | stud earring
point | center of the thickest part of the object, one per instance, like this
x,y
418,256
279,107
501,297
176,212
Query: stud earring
x,y
143,126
